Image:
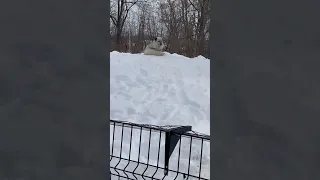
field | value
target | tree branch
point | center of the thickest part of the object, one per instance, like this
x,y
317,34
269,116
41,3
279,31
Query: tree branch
x,y
193,5
132,4
114,21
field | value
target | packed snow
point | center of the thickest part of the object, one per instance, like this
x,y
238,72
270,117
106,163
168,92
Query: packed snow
x,y
160,90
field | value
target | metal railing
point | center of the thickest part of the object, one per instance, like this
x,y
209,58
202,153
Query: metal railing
x,y
142,151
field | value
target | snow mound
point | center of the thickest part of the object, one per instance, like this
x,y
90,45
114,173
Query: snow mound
x,y
166,90
162,90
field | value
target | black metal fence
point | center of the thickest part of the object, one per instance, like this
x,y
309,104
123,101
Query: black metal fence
x,y
141,151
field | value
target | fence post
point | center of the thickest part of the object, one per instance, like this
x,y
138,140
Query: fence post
x,y
171,140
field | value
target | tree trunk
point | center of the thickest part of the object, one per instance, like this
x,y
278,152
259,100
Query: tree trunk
x,y
118,41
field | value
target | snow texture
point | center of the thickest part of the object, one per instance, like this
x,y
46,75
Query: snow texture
x,y
167,90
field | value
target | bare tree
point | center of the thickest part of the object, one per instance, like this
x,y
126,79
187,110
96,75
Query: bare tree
x,y
202,9
119,16
184,24
170,18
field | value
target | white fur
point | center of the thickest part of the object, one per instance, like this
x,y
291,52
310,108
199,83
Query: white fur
x,y
155,47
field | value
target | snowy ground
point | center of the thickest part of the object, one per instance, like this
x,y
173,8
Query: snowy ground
x,y
166,90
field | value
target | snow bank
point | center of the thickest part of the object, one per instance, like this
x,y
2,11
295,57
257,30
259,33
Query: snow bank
x,y
166,90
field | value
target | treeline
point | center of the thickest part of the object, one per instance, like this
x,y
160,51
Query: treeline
x,y
184,25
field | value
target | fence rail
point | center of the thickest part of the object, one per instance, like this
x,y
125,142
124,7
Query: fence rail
x,y
143,151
